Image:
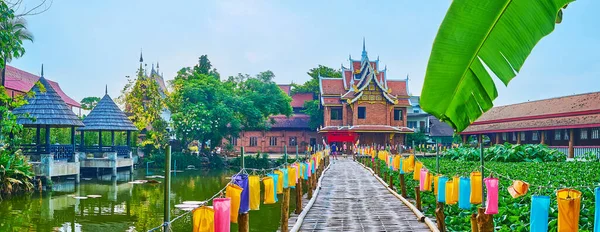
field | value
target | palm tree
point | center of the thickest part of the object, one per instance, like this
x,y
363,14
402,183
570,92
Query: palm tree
x,y
18,27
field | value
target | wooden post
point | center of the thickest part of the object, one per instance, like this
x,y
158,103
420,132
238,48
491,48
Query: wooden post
x,y
402,185
418,197
440,218
299,196
391,184
474,227
485,222
309,187
518,137
285,209
498,138
464,137
542,137
571,140
244,222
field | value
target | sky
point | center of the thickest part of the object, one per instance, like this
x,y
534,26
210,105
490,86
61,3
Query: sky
x,y
85,45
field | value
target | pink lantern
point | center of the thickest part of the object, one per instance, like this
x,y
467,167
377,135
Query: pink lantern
x,y
222,208
491,202
422,179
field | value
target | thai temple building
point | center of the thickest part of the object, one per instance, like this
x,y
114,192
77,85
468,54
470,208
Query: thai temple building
x,y
364,105
570,124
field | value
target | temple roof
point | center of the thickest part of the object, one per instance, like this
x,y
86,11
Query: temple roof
x,y
297,121
107,116
22,81
574,111
367,128
46,108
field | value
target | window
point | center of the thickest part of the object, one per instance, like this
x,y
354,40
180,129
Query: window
x,y
272,141
514,136
336,113
534,135
504,135
253,141
416,111
397,114
557,134
233,141
412,125
293,141
583,134
595,133
566,134
362,112
523,137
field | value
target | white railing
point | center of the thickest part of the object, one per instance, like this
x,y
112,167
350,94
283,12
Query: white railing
x,y
579,150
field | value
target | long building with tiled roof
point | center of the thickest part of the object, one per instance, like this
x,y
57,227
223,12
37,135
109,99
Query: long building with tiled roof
x,y
569,123
290,131
19,82
364,105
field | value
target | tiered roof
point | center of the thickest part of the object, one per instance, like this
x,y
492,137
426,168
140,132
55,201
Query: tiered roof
x,y
362,73
575,111
46,108
107,116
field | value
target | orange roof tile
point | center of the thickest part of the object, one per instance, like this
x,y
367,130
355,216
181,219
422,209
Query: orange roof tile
x,y
332,86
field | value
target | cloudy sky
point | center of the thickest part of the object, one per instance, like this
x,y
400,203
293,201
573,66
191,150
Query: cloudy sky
x,y
85,45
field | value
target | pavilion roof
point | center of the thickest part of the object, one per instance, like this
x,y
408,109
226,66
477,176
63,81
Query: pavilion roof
x,y
46,108
107,116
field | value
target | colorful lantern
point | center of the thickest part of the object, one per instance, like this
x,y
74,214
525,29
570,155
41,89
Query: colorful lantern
x,y
569,205
235,193
442,189
270,191
450,193
203,219
597,212
222,207
464,193
286,178
518,188
241,180
275,178
292,175
254,188
491,203
416,173
422,179
540,206
476,188
278,180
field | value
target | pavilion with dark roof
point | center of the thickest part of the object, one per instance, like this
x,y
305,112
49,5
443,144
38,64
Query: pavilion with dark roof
x,y
46,109
107,117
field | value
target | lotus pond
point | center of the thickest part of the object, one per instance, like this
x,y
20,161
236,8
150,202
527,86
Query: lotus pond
x,y
122,206
514,213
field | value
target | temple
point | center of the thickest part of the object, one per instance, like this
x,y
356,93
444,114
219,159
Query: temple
x,y
364,105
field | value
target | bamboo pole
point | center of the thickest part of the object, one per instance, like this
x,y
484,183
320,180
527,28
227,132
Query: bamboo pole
x,y
403,185
167,202
440,218
309,187
299,196
474,227
243,219
391,179
485,222
285,204
418,197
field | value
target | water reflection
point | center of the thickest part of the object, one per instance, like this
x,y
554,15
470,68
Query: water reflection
x,y
122,206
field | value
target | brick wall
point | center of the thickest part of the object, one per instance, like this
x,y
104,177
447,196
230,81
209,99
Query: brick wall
x,y
282,137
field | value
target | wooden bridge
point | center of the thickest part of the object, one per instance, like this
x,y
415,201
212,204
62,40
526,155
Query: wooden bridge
x,y
352,199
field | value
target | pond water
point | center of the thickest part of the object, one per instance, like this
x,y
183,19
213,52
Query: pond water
x,y
123,206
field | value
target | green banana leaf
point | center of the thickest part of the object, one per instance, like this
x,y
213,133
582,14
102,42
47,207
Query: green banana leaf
x,y
475,35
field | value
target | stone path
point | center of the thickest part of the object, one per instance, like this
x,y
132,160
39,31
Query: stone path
x,y
351,199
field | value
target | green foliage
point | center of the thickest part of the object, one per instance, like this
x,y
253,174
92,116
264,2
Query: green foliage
x,y
514,213
13,31
418,137
508,153
205,108
315,111
258,161
15,173
313,108
475,35
89,103
205,67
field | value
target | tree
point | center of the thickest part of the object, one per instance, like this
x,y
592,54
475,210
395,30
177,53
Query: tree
x,y
313,108
13,31
418,137
205,67
501,34
89,103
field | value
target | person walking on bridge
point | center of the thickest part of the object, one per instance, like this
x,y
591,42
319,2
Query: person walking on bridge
x,y
334,151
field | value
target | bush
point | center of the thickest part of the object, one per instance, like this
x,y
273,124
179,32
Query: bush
x,y
508,153
183,160
258,161
15,173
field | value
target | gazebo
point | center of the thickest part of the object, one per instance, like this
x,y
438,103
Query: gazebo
x,y
107,117
47,110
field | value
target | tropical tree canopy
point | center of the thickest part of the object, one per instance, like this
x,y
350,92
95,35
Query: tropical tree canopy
x,y
88,103
313,108
474,35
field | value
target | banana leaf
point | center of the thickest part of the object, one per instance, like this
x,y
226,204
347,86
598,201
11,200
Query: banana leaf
x,y
477,36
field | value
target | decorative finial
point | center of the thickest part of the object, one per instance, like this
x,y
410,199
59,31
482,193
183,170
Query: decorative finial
x,y
364,44
364,51
157,67
106,90
42,70
141,56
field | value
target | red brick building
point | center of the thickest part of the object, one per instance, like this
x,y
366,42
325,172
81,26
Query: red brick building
x,y
290,131
570,124
364,105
